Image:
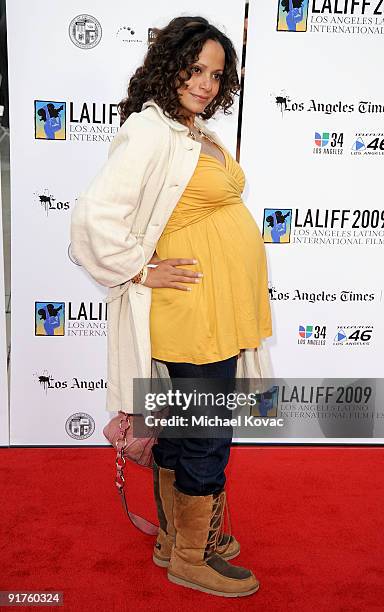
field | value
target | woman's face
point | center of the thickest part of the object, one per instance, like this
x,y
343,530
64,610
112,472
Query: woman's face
x,y
204,84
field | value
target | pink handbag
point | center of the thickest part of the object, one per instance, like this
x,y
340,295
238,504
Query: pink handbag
x,y
119,432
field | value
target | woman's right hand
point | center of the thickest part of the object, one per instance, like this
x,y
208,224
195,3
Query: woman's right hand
x,y
166,274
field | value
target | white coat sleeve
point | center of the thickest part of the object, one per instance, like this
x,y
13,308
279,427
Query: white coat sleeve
x,y
101,223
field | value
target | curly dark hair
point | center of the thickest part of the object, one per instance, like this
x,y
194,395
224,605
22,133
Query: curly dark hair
x,y
174,50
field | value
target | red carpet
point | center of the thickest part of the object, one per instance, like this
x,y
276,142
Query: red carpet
x,y
310,522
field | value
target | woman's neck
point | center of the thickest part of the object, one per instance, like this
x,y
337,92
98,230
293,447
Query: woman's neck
x,y
188,119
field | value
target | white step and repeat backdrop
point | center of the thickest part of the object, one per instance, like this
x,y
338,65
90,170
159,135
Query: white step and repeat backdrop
x,y
311,148
69,66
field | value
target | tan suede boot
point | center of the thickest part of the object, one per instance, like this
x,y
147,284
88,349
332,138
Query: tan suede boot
x,y
163,480
194,562
227,547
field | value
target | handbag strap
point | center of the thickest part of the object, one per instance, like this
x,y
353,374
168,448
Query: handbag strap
x,y
138,521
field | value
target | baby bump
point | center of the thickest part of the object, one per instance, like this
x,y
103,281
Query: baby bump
x,y
229,250
233,225
241,245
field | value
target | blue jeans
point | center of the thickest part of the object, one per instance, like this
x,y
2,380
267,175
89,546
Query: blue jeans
x,y
199,463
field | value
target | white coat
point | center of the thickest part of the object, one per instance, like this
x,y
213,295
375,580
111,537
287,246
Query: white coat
x,y
116,224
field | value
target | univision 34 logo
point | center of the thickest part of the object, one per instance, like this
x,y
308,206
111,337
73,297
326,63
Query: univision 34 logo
x,y
327,143
312,334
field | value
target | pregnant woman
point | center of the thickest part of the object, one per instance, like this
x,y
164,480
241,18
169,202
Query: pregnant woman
x,y
170,196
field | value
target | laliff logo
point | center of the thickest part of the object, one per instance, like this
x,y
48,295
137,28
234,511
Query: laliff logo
x,y
292,16
50,120
83,319
267,403
85,31
328,226
87,319
331,16
49,318
347,17
353,335
126,34
312,334
48,202
87,121
277,225
80,426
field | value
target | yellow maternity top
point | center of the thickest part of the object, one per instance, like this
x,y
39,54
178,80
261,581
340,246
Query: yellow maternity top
x,y
229,308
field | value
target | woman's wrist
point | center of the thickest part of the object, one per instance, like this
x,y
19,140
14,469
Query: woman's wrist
x,y
141,276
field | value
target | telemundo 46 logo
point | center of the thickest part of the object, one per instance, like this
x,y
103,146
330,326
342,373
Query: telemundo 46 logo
x,y
353,335
368,143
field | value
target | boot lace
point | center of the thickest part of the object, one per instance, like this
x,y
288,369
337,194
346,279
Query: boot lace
x,y
220,506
